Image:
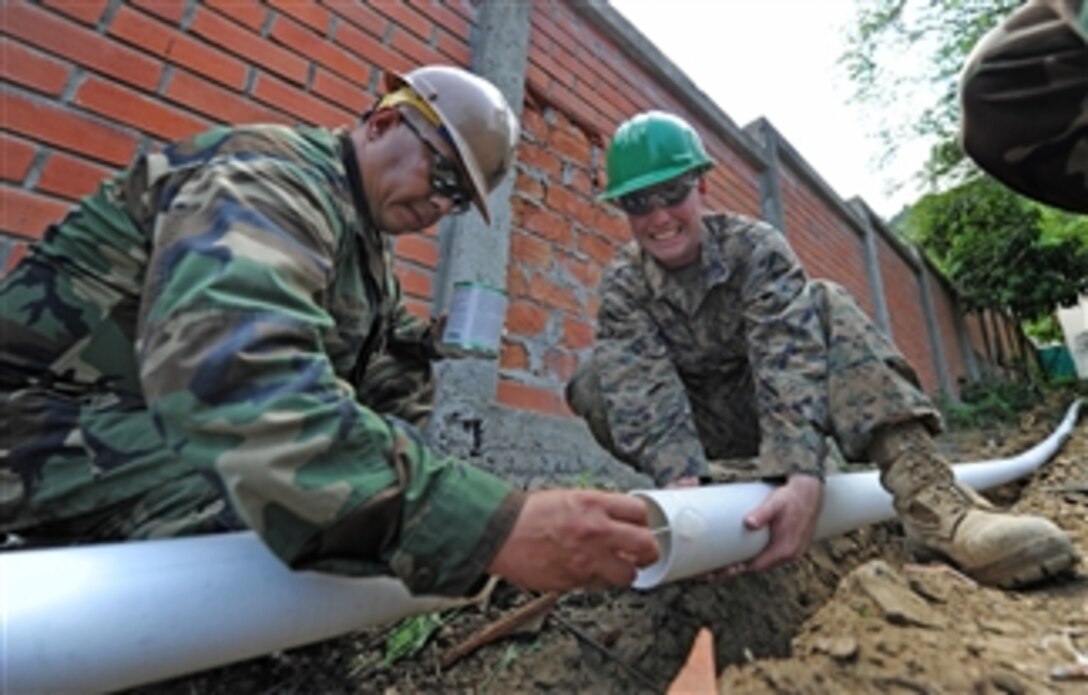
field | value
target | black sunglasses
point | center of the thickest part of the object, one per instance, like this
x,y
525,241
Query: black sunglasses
x,y
666,195
445,179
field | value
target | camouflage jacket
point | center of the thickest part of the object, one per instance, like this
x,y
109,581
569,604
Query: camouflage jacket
x,y
744,308
206,311
1024,99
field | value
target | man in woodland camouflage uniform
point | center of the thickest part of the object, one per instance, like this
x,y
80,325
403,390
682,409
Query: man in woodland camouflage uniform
x,y
215,341
712,343
1024,97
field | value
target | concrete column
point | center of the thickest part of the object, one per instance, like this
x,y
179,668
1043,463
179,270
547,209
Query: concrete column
x,y
469,248
966,349
872,267
936,346
770,190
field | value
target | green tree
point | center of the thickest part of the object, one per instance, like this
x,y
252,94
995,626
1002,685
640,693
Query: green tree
x,y
913,50
1002,251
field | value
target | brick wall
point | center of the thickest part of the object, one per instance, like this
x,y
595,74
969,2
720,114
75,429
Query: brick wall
x,y
829,245
88,84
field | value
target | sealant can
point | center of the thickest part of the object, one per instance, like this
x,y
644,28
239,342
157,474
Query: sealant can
x,y
476,316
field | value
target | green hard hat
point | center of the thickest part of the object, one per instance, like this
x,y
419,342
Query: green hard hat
x,y
650,148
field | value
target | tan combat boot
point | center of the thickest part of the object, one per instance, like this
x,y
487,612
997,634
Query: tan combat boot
x,y
953,522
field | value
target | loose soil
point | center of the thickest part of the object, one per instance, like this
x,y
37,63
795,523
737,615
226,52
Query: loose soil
x,y
854,615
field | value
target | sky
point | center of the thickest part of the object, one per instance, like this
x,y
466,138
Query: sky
x,y
777,59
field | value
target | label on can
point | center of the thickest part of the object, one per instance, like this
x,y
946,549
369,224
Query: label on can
x,y
476,317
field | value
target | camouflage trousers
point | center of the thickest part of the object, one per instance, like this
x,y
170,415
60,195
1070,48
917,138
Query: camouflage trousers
x,y
195,503
869,385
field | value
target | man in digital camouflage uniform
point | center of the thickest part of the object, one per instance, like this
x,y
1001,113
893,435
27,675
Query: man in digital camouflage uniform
x,y
712,344
215,341
1024,98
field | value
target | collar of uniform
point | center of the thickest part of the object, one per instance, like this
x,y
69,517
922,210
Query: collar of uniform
x,y
687,290
368,232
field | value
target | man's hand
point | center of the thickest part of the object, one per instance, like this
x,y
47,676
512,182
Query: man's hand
x,y
570,539
791,512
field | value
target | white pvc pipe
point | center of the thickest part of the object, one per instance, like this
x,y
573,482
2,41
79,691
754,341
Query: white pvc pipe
x,y
106,617
703,528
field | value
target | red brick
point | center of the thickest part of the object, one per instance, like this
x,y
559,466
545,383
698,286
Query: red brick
x,y
417,308
550,294
404,15
249,13
16,155
70,177
529,187
547,66
523,397
560,364
309,13
454,23
574,147
83,46
516,283
146,113
414,282
581,110
155,37
346,94
66,129
306,107
533,123
513,356
541,159
250,46
454,48
568,54
585,273
577,334
31,69
538,84
318,48
170,10
596,248
530,250
28,214
420,249
582,182
414,48
465,9
610,223
561,198
371,51
222,105
360,15
86,11
542,221
525,319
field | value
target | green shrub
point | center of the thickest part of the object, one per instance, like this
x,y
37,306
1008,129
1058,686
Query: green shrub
x,y
990,403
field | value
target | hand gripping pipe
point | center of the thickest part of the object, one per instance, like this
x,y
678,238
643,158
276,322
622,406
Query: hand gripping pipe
x,y
107,617
702,529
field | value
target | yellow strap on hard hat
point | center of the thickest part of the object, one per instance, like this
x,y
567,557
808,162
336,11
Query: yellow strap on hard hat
x,y
406,95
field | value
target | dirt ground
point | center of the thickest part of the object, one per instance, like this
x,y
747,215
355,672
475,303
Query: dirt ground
x,y
854,616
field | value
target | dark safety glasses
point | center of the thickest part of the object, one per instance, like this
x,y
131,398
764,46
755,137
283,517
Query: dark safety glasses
x,y
666,195
445,179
